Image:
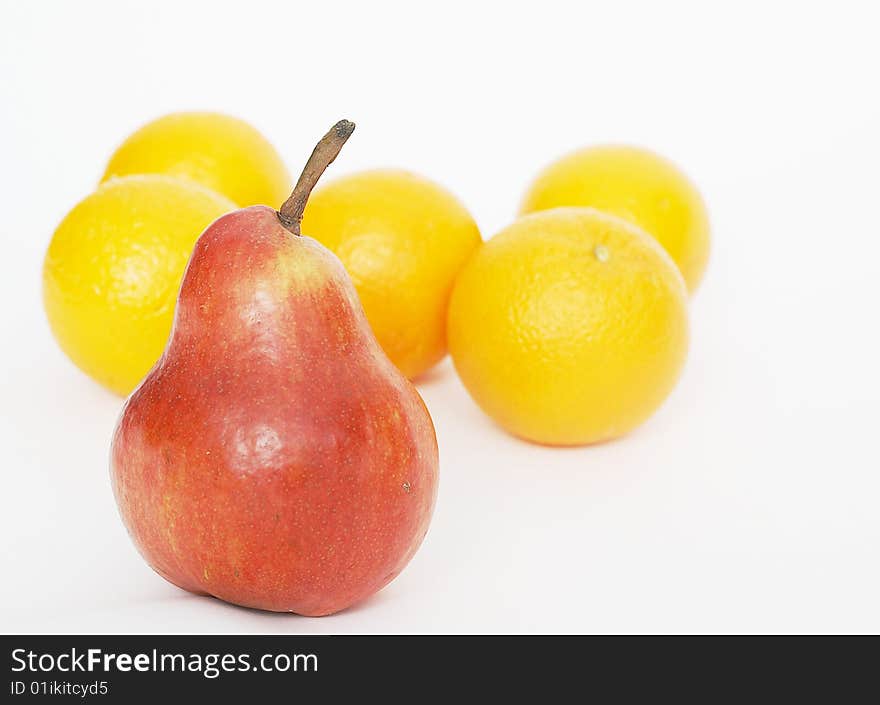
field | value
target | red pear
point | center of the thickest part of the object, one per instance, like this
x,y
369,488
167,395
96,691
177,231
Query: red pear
x,y
274,457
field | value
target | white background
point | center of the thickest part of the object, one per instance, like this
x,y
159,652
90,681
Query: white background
x,y
748,503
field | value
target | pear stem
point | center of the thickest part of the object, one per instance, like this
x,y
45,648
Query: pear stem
x,y
291,213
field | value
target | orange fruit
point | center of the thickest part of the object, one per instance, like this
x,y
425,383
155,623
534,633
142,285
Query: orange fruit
x,y
569,327
403,240
637,185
